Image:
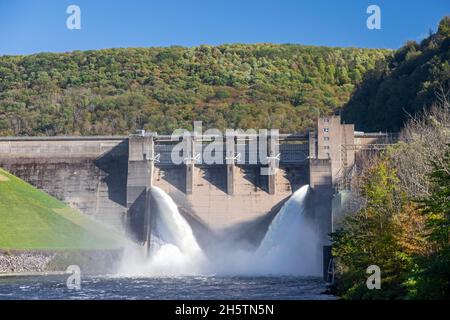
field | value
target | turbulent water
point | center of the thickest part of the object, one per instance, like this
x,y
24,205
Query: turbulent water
x,y
174,249
286,265
164,288
289,247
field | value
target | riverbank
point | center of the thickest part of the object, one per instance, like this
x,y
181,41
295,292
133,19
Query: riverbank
x,y
32,274
51,261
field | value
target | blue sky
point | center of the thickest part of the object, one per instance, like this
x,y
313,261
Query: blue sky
x,y
30,26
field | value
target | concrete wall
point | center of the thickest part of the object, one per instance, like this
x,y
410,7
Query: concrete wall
x,y
109,178
211,203
98,174
89,175
320,199
331,137
365,139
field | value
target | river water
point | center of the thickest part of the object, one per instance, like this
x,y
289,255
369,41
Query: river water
x,y
165,288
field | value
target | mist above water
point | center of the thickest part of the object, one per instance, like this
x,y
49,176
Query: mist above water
x,y
174,249
290,246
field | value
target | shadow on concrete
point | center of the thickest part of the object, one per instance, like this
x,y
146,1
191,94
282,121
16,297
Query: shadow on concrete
x,y
216,175
203,234
136,217
174,175
318,210
297,176
253,175
250,233
114,164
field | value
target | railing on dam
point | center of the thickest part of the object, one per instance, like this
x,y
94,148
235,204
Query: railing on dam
x,y
290,153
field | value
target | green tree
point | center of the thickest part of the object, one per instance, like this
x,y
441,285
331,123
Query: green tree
x,y
369,237
431,277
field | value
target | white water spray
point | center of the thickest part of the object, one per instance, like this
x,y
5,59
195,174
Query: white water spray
x,y
174,249
290,246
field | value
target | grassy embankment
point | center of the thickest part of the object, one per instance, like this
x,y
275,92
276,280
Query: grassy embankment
x,y
30,219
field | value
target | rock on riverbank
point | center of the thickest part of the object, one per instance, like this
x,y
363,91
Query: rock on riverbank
x,y
24,262
95,262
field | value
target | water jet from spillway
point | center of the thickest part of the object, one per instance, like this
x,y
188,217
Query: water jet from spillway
x,y
174,249
290,246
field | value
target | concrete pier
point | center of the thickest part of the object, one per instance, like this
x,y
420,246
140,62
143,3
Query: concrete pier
x,y
272,149
148,221
312,141
190,163
139,182
320,205
230,151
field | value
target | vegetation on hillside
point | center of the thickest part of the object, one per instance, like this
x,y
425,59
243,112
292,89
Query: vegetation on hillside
x,y
231,86
391,93
31,219
399,216
402,220
116,91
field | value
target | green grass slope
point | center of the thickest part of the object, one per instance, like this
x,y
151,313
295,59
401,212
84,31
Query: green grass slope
x,y
31,219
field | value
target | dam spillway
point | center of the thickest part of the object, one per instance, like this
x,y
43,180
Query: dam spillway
x,y
289,247
109,177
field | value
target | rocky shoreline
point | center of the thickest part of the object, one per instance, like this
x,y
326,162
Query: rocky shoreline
x,y
94,262
24,262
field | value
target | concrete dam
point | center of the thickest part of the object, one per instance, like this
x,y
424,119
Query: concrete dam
x,y
109,177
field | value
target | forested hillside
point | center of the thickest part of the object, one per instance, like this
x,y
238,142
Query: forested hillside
x,y
413,80
119,90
